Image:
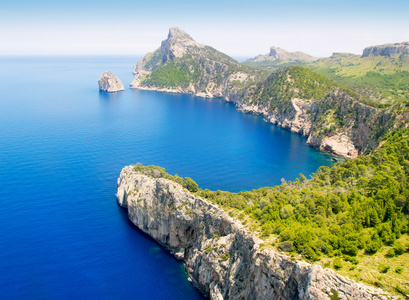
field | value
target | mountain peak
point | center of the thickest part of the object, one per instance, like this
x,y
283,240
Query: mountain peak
x,y
176,34
177,44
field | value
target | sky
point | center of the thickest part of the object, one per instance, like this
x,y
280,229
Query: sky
x,y
238,28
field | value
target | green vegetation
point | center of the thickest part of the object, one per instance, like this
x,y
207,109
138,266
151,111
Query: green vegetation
x,y
159,172
173,75
273,64
293,82
383,79
356,204
352,216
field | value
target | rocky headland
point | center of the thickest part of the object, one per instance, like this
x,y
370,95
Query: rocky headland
x,y
108,82
221,257
332,117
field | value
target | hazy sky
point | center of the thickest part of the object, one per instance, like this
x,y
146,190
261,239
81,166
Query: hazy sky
x,y
238,28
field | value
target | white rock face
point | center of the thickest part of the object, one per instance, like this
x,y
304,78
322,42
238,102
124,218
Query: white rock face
x,y
221,257
108,82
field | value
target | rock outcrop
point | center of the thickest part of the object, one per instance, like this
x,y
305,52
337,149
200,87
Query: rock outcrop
x,y
387,49
108,82
221,257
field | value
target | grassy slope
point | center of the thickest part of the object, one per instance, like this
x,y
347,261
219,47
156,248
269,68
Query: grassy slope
x,y
387,76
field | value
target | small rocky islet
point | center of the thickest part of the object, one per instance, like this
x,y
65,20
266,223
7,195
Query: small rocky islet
x,y
108,82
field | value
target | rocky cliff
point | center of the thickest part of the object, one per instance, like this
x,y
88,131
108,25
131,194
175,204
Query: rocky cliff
x,y
221,257
108,82
332,117
387,50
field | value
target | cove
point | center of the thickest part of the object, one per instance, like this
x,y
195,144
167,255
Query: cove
x,y
62,146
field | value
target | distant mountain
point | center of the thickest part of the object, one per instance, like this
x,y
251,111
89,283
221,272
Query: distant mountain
x,y
278,58
277,53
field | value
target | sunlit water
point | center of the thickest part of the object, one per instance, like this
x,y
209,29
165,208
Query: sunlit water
x,y
62,146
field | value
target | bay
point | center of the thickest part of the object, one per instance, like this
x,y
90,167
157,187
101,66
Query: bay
x,y
62,146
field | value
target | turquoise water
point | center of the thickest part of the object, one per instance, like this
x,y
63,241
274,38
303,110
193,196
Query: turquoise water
x,y
62,146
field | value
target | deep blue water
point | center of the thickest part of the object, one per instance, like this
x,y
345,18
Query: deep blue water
x,y
62,146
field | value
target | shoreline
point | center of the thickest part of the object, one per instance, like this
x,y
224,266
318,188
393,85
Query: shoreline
x,y
334,156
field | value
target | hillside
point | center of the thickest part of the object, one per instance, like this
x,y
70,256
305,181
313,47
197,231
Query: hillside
x,y
333,117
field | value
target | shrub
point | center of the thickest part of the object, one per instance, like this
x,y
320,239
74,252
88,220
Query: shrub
x,y
189,184
337,263
351,259
383,268
390,253
399,249
373,246
399,270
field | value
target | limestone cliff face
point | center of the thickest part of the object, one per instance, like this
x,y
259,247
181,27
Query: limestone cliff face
x,y
359,132
221,257
108,82
387,49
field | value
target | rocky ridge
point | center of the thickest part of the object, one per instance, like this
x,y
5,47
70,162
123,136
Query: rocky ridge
x,y
387,50
221,257
108,82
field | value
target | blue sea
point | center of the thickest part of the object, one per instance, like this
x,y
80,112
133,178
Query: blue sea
x,y
62,146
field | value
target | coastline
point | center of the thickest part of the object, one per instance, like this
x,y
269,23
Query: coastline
x,y
221,257
341,148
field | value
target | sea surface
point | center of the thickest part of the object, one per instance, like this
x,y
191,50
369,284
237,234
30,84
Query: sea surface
x,y
62,146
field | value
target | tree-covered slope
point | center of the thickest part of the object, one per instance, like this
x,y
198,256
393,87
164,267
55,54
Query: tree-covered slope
x,y
346,215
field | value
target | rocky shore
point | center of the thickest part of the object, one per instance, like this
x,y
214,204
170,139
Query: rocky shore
x,y
221,257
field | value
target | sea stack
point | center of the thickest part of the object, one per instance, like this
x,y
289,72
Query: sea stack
x,y
108,82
